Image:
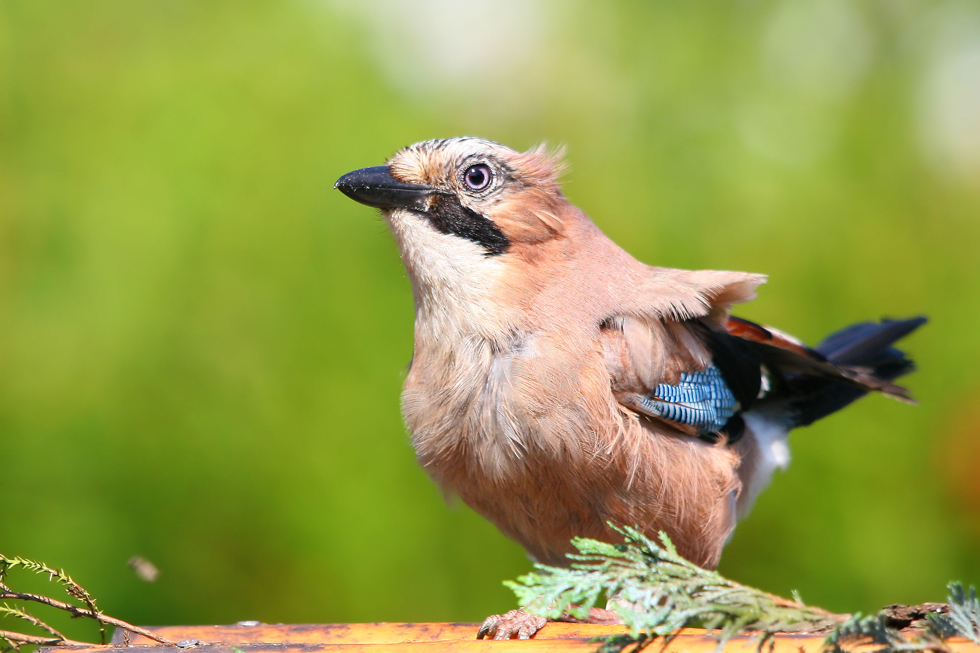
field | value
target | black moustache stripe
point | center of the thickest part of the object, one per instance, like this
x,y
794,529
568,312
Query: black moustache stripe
x,y
448,216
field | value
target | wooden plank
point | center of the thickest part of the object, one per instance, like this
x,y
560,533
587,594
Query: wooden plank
x,y
430,638
364,633
456,646
683,644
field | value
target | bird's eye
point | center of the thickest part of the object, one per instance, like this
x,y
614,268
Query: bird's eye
x,y
478,177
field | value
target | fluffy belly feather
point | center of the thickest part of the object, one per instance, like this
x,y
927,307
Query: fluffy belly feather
x,y
545,473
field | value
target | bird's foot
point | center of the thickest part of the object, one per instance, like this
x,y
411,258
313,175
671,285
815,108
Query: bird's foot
x,y
523,625
515,623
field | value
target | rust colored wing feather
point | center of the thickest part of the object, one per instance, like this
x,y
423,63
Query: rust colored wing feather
x,y
787,355
746,330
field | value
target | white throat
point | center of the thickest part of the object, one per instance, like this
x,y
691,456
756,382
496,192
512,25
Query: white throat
x,y
452,278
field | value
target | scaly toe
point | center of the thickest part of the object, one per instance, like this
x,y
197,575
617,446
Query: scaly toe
x,y
514,623
530,626
489,626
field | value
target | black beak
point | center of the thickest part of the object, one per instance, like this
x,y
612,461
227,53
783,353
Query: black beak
x,y
376,187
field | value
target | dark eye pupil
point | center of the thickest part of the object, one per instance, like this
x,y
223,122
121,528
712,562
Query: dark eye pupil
x,y
477,177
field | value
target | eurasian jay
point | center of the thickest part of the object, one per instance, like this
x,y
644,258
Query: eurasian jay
x,y
558,384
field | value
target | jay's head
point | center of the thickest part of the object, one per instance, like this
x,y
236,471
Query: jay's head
x,y
466,206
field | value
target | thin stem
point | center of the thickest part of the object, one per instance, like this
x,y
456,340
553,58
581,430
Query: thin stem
x,y
76,611
20,614
783,602
73,588
20,638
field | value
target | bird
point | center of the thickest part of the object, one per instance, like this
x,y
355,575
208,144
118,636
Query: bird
x,y
559,386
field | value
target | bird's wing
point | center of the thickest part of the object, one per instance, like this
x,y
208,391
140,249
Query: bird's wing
x,y
786,355
661,364
667,371
687,362
677,295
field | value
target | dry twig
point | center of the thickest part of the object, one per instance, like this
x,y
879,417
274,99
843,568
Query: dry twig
x,y
89,609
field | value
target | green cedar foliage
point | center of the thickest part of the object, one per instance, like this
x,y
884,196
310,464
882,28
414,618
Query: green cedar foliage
x,y
656,592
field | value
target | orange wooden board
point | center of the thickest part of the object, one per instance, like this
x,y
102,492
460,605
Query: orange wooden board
x,y
423,638
370,633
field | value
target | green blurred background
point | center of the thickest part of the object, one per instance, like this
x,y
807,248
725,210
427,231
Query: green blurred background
x,y
202,344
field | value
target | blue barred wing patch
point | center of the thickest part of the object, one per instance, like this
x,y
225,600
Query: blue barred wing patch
x,y
701,399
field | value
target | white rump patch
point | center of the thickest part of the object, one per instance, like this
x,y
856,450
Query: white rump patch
x,y
770,434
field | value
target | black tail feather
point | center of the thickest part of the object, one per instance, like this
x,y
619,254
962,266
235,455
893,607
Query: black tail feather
x,y
868,343
865,345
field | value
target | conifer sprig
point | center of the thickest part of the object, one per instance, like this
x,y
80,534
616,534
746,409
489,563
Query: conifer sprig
x,y
71,587
963,618
87,609
656,592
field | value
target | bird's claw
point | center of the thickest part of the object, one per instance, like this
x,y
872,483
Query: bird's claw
x,y
516,623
